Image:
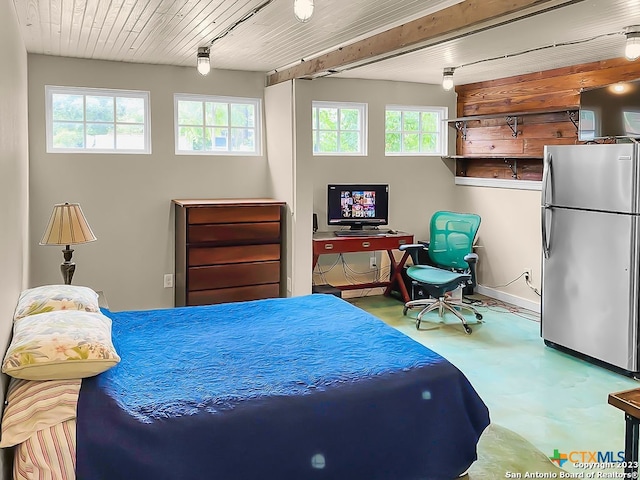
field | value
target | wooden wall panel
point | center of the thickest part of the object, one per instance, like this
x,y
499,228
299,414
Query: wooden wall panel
x,y
545,99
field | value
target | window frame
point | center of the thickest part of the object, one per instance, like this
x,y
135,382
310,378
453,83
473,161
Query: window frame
x,y
258,128
51,90
363,131
442,133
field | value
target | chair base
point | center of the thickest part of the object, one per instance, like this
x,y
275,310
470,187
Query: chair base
x,y
443,305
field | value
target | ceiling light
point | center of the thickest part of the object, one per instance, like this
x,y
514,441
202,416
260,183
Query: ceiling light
x,y
203,63
632,49
303,10
447,78
618,88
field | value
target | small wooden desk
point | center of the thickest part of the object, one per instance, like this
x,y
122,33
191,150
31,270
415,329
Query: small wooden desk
x,y
328,243
629,402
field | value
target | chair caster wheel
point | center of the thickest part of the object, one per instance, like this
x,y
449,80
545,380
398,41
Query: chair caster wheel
x,y
467,329
417,324
404,311
478,316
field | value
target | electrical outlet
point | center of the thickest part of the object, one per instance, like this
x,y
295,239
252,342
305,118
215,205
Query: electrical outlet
x,y
527,273
372,261
168,280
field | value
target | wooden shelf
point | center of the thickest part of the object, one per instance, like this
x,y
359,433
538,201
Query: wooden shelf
x,y
510,118
509,114
495,157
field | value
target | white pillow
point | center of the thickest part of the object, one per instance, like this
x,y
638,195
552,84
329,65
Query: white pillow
x,y
59,345
49,298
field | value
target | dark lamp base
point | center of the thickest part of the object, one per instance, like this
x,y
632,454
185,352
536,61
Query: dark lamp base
x,y
67,267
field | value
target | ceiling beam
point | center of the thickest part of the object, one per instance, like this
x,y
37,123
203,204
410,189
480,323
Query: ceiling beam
x,y
461,16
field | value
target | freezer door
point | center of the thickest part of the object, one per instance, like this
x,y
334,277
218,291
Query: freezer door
x,y
589,285
595,177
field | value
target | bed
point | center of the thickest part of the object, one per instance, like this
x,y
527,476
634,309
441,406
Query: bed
x,y
308,387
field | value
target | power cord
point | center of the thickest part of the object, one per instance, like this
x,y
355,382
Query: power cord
x,y
527,279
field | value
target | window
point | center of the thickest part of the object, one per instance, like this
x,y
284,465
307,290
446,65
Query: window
x,y
97,120
217,125
415,131
339,128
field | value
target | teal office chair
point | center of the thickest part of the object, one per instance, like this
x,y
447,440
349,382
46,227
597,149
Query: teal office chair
x,y
451,265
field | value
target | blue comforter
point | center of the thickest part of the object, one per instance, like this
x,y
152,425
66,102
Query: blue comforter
x,y
301,388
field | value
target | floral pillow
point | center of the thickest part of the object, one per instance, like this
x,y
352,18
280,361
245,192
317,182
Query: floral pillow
x,y
60,345
49,298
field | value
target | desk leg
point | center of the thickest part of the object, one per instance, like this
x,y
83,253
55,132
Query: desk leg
x,y
396,275
632,429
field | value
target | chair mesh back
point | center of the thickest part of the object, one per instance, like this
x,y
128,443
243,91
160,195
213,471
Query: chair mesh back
x,y
451,238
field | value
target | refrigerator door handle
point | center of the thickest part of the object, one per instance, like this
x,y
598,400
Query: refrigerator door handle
x,y
546,194
546,181
543,219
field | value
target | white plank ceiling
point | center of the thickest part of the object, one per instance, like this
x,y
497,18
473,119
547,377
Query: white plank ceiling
x,y
170,32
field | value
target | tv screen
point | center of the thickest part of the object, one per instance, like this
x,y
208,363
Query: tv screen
x,y
610,111
357,205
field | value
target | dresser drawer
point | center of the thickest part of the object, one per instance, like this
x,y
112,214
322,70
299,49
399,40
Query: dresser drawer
x,y
199,256
234,275
238,294
234,214
234,233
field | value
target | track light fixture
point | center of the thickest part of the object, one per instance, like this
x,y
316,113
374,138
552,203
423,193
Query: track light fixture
x,y
632,47
447,78
303,10
203,62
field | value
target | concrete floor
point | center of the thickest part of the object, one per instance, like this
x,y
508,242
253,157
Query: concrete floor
x,y
553,400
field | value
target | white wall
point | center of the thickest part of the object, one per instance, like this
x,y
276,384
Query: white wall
x,y
14,170
510,240
127,198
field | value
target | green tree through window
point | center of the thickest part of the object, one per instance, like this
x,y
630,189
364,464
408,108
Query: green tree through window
x,y
415,130
338,128
97,120
217,125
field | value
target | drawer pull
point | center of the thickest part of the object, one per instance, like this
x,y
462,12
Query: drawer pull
x,y
366,244
401,242
328,246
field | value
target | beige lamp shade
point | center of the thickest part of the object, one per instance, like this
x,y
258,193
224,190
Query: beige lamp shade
x,y
67,226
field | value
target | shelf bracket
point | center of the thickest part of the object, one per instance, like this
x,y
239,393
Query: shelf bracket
x,y
462,128
513,166
512,123
572,117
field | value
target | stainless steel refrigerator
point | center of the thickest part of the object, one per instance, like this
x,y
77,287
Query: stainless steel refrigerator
x,y
590,249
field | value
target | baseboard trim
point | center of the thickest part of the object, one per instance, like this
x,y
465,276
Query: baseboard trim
x,y
486,291
508,298
365,292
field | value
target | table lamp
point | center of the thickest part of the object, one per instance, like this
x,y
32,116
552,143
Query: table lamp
x,y
67,226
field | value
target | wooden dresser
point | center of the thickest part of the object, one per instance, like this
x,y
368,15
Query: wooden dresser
x,y
227,250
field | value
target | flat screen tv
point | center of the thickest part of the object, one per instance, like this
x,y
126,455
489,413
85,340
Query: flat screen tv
x,y
610,111
357,205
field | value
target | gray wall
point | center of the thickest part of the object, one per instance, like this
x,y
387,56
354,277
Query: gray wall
x,y
418,186
127,198
14,170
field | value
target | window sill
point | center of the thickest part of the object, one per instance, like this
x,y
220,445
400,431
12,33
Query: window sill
x,y
499,183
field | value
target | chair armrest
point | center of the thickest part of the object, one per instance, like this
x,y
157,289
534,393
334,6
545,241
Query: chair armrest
x,y
413,249
412,246
471,258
